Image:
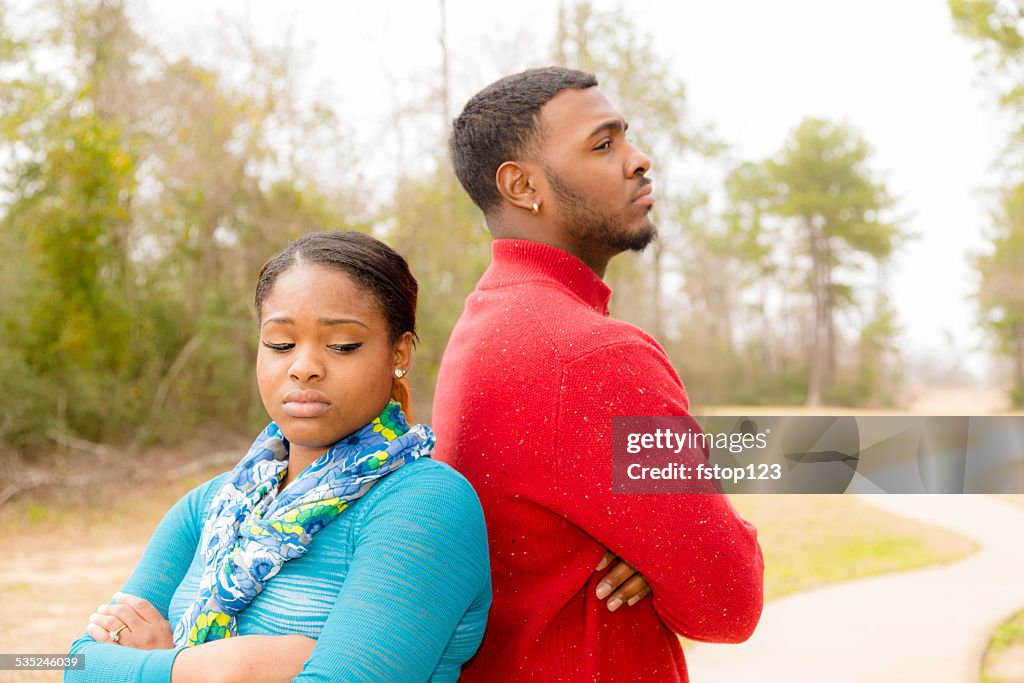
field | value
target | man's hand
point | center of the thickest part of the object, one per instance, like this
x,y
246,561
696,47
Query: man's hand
x,y
137,623
629,586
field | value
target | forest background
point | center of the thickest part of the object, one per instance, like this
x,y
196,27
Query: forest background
x,y
142,186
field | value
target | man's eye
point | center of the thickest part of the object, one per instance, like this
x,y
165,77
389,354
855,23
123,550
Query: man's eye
x,y
605,144
278,347
344,348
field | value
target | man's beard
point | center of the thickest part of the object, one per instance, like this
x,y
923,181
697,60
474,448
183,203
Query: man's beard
x,y
589,227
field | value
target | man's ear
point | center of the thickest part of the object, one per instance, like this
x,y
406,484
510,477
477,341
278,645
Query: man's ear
x,y
515,185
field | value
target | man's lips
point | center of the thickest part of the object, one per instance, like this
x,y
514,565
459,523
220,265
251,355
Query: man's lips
x,y
645,196
307,403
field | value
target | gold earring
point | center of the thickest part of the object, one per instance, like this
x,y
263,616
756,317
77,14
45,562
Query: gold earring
x,y
536,208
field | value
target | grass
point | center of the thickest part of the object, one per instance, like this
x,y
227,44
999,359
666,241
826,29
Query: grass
x,y
812,540
69,555
1004,657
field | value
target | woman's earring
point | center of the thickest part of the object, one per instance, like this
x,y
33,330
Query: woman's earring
x,y
399,373
536,208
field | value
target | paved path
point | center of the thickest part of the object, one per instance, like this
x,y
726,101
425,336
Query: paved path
x,y
924,626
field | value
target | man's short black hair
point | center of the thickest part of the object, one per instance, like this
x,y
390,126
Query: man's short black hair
x,y
500,123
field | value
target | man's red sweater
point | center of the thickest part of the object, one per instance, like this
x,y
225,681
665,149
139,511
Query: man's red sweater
x,y
533,373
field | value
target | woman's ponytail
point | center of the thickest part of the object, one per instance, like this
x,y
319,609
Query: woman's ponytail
x,y
400,393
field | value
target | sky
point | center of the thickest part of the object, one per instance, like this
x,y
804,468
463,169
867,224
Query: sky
x,y
753,69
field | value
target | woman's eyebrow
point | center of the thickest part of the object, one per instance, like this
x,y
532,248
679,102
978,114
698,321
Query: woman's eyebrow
x,y
322,321
342,321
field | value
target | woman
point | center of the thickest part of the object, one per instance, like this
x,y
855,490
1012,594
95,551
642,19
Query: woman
x,y
335,539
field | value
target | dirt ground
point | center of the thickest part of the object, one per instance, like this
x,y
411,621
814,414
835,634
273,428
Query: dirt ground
x,y
61,561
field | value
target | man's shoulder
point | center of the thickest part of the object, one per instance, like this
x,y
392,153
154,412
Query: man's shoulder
x,y
554,316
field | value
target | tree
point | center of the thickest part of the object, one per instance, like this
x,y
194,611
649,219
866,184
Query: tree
x,y
1000,292
820,194
997,27
140,196
607,44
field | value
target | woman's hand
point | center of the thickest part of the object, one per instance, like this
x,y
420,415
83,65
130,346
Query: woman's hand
x,y
632,586
137,623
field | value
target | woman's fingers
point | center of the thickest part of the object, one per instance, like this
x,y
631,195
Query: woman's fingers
x,y
142,607
126,613
106,623
149,630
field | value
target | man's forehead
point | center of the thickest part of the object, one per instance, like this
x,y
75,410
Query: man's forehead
x,y
575,112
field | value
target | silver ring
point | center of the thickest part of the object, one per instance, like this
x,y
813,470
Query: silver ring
x,y
115,636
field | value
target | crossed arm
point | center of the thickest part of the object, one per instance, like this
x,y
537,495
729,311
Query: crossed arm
x,y
141,626
387,623
145,650
701,559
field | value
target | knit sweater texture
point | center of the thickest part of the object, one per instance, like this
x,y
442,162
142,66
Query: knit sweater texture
x,y
531,378
395,589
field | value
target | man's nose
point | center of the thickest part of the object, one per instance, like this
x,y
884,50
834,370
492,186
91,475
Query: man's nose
x,y
637,163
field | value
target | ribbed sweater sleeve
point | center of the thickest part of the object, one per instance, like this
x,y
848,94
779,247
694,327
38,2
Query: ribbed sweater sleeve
x,y
420,561
701,559
164,563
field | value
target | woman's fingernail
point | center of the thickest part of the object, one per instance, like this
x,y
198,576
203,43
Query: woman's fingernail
x,y
614,604
101,609
602,591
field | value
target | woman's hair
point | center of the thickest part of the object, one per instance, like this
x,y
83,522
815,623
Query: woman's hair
x,y
372,265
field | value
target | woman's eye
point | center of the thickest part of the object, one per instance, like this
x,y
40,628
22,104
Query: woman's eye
x,y
605,144
344,348
284,346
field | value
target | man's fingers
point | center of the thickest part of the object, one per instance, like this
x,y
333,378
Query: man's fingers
x,y
613,579
639,596
631,587
142,607
605,561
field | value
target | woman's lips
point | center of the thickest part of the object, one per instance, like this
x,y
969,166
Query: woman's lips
x,y
305,408
306,403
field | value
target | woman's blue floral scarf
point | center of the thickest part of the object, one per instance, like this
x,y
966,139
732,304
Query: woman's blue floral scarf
x,y
251,530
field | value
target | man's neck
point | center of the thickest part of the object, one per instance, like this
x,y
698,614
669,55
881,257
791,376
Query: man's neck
x,y
596,263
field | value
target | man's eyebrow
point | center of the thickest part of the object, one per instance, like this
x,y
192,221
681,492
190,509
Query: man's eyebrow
x,y
322,321
614,125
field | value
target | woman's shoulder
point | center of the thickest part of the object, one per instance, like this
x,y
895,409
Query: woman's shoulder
x,y
426,474
428,485
197,501
426,503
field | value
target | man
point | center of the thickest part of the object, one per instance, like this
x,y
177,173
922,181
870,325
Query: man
x,y
532,376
